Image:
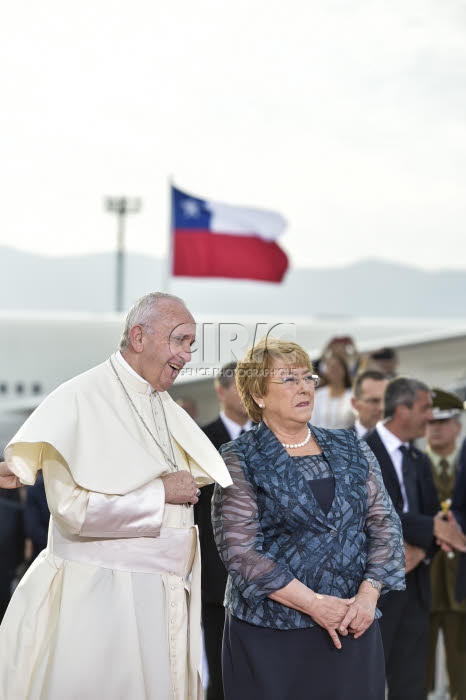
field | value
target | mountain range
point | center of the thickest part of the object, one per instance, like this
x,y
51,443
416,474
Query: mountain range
x,y
366,288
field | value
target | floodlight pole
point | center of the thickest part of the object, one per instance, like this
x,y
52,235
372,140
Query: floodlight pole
x,y
121,206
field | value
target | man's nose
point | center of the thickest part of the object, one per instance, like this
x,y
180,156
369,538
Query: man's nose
x,y
186,353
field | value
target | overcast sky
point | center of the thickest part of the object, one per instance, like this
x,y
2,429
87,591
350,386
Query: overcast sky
x,y
347,116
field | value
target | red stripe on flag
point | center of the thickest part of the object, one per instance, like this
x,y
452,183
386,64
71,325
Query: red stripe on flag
x,y
206,254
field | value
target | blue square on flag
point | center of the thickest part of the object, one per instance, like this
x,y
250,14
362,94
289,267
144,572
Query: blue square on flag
x,y
189,212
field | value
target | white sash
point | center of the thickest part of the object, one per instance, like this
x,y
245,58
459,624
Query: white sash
x,y
172,552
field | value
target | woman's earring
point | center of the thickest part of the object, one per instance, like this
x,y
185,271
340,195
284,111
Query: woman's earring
x,y
261,405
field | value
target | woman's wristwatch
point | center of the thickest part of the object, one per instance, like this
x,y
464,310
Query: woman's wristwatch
x,y
376,584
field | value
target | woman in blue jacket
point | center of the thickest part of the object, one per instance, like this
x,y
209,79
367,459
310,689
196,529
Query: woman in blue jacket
x,y
310,539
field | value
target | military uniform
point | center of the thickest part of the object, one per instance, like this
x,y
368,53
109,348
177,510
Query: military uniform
x,y
446,613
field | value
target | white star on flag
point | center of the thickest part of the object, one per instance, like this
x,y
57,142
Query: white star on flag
x,y
190,208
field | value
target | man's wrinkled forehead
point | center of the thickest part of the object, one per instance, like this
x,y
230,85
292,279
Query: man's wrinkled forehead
x,y
176,317
182,330
174,330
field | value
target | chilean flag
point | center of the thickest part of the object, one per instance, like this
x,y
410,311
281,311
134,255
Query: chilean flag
x,y
211,239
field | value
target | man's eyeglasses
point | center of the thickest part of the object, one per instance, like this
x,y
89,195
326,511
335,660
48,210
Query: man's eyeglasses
x,y
292,380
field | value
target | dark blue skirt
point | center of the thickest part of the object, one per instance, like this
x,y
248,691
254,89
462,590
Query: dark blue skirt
x,y
268,664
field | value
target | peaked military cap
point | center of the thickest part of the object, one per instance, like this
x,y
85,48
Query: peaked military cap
x,y
445,405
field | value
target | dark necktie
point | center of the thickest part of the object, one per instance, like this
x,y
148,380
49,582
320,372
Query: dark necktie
x,y
444,476
409,479
242,431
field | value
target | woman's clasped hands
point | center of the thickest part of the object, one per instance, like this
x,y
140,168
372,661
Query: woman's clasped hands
x,y
340,616
360,614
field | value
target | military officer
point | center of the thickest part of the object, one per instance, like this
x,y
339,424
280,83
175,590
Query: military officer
x,y
446,613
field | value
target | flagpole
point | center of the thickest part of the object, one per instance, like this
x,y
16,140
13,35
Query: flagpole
x,y
167,268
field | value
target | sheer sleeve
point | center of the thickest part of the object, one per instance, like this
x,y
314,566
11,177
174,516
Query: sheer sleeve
x,y
239,538
385,558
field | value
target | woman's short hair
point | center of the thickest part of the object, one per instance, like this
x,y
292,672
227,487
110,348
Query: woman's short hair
x,y
254,371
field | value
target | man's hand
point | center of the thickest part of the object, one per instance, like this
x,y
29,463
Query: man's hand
x,y
413,555
180,488
7,479
447,530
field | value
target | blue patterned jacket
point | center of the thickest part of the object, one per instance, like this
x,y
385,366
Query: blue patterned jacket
x,y
270,529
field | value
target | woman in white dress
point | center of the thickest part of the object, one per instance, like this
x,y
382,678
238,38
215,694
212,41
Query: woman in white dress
x,y
332,406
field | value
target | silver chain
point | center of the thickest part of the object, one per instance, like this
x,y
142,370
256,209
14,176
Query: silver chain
x,y
173,460
170,460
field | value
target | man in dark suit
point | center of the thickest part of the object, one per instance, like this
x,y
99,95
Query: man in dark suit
x,y
367,400
11,543
408,479
458,507
11,534
232,422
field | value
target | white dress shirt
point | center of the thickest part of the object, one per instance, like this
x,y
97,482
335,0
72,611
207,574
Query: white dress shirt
x,y
392,444
234,429
360,429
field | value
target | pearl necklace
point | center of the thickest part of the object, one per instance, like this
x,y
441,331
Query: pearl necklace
x,y
290,446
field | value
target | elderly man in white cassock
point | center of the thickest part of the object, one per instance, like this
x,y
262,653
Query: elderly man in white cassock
x,y
111,608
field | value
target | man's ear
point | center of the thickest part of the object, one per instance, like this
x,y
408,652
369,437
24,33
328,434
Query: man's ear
x,y
353,403
219,390
135,336
402,412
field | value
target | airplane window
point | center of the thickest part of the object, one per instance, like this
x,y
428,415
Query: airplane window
x,y
19,388
3,387
36,388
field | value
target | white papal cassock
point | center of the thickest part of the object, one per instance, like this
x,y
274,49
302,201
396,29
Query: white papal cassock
x,y
111,609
